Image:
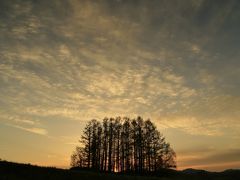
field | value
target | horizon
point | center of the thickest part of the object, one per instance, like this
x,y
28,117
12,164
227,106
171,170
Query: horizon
x,y
63,63
68,167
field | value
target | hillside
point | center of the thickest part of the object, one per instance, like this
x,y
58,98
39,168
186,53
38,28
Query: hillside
x,y
12,171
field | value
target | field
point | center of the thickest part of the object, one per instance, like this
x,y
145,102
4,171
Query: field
x,y
12,171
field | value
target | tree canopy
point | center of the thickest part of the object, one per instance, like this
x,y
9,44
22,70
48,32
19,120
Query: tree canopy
x,y
123,145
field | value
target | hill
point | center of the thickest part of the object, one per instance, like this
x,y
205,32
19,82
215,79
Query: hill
x,y
13,171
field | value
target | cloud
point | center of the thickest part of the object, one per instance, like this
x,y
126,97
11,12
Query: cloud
x,y
217,159
174,62
34,130
23,122
214,167
146,78
191,125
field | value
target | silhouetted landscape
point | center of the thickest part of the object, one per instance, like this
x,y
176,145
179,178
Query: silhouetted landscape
x,y
123,145
16,171
117,148
119,89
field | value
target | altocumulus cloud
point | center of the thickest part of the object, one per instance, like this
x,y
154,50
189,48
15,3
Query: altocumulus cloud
x,y
175,62
103,58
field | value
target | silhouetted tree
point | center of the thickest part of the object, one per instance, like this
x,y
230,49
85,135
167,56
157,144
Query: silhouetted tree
x,y
86,140
126,148
123,145
77,158
105,144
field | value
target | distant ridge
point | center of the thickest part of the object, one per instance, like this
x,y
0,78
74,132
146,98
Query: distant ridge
x,y
201,171
226,174
194,171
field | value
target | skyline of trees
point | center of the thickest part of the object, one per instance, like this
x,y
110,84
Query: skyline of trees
x,y
123,145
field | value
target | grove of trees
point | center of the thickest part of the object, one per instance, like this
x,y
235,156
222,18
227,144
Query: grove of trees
x,y
123,145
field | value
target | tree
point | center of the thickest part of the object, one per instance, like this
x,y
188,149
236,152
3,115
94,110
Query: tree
x,y
126,148
77,158
86,140
123,145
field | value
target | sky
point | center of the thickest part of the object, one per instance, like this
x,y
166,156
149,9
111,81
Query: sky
x,y
65,62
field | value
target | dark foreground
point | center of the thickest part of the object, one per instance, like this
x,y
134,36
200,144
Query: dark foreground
x,y
9,170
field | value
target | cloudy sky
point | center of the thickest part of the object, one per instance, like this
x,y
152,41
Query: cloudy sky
x,y
176,62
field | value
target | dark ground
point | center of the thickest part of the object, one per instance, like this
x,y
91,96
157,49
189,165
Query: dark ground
x,y
12,171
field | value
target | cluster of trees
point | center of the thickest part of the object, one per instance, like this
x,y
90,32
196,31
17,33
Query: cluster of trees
x,y
123,145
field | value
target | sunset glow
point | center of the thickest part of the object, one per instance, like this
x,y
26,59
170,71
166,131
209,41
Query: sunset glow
x,y
65,62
